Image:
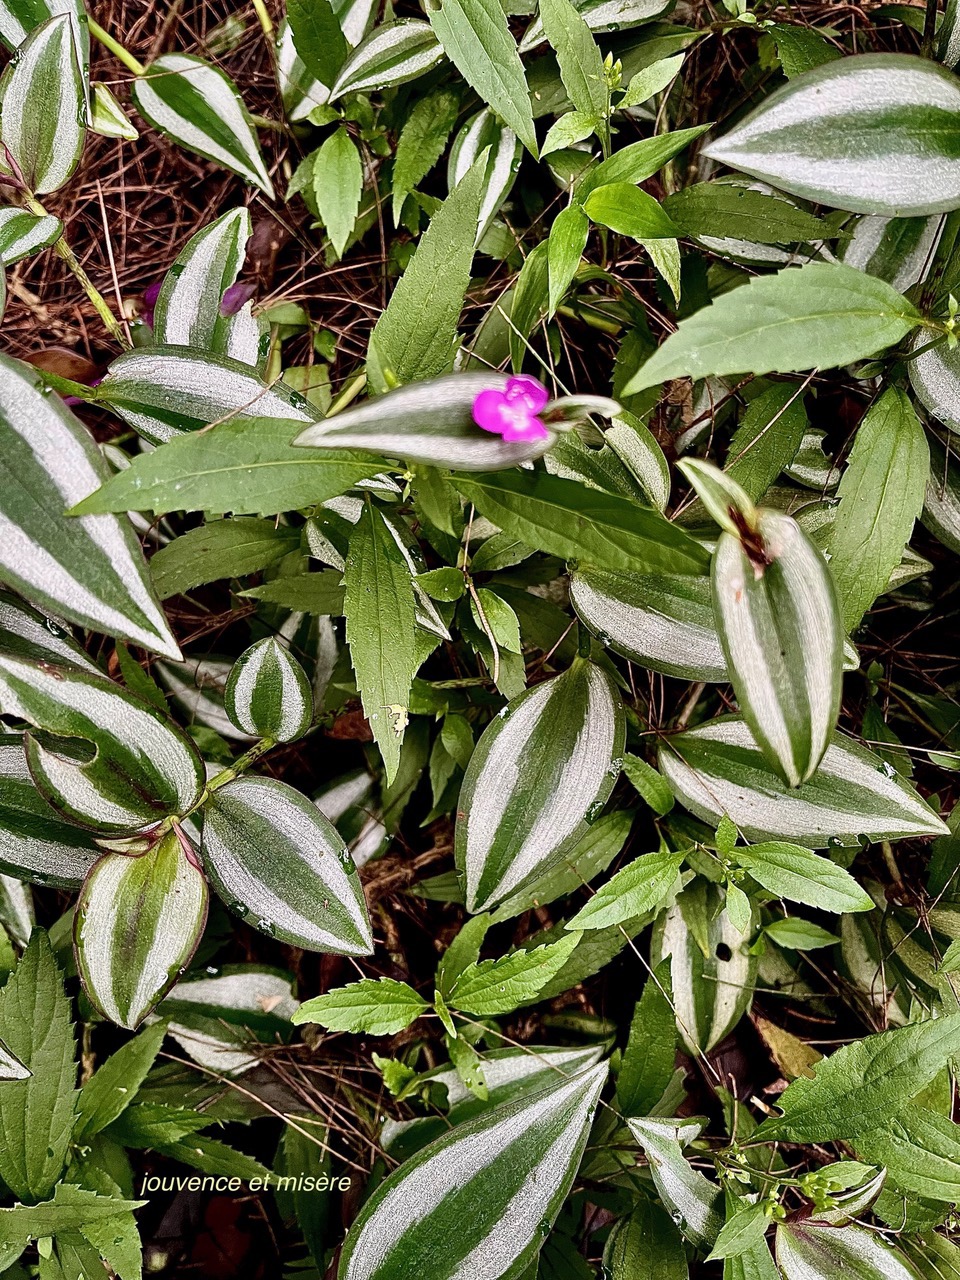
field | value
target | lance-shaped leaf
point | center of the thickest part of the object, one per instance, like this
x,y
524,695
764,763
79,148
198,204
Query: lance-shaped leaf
x,y
920,1151
633,891
190,310
163,391
941,503
197,106
861,1086
779,623
319,38
379,1007
22,233
663,621
89,571
247,467
34,844
817,316
25,632
268,694
881,494
477,40
897,250
379,584
429,422
808,1252
300,91
480,1200
793,872
711,975
646,1246
905,111
43,104
685,1191
137,924
540,772
571,520
422,141
718,769
36,1112
484,132
391,55
141,767
283,867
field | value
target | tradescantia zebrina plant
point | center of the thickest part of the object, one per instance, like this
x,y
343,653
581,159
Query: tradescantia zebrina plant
x,y
526,583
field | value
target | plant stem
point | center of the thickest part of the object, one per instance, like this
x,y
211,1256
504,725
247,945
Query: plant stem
x,y
116,48
266,22
100,304
349,393
929,29
239,766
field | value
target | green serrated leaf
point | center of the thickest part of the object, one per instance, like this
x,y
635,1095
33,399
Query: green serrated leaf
x,y
379,1008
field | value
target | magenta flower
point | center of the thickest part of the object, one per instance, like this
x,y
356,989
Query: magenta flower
x,y
150,296
512,413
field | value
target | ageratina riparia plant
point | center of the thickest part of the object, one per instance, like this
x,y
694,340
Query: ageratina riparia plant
x,y
484,595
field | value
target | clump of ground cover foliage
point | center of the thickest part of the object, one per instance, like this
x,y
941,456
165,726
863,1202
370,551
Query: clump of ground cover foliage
x,y
478,528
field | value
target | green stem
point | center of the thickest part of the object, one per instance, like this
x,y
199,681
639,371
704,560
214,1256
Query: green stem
x,y
240,765
263,15
113,325
116,48
348,394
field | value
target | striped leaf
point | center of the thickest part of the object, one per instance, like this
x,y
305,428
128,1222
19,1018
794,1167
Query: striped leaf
x,y
44,105
19,17
485,132
429,422
935,379
34,844
142,767
941,504
107,116
479,1201
88,570
663,621
281,865
137,924
779,623
25,632
268,694
712,976
809,1252
197,106
11,1068
694,1202
164,391
898,250
391,55
510,1074
538,776
905,111
189,309
300,91
22,233
718,769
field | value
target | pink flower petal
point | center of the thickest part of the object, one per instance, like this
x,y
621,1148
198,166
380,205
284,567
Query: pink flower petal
x,y
529,429
488,410
527,391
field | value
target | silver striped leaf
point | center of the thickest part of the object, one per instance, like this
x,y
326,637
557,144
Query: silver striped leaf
x,y
163,391
539,774
636,447
941,503
188,311
19,17
509,1074
197,106
391,55
948,36
479,1201
712,987
663,621
22,233
300,92
809,1252
485,132
88,570
279,864
427,422
137,924
35,845
935,379
898,250
107,116
811,466
692,1200
718,769
11,1068
25,632
44,106
16,910
268,694
779,623
602,15
903,109
142,767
